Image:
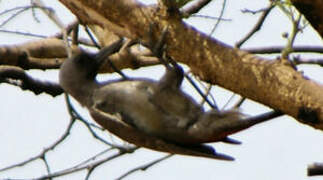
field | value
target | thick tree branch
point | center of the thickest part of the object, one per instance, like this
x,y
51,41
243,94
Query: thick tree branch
x,y
17,76
42,54
272,83
315,169
50,54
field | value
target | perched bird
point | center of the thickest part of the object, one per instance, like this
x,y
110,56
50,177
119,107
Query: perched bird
x,y
156,108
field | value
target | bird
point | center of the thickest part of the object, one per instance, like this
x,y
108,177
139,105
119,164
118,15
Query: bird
x,y
156,108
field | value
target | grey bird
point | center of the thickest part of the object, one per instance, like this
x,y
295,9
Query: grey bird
x,y
156,108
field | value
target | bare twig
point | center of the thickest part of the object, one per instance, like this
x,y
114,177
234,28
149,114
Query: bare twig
x,y
144,167
278,49
75,115
205,97
92,167
46,163
195,8
209,17
297,60
20,9
22,33
82,41
50,13
42,154
254,11
80,168
290,42
239,103
257,26
220,17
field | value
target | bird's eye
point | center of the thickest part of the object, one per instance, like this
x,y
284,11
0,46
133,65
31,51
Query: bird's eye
x,y
83,59
80,60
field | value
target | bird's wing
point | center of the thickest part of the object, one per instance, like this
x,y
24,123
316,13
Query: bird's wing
x,y
141,139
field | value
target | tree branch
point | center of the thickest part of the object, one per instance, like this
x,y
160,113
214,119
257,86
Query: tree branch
x,y
278,49
315,169
196,7
257,26
312,10
273,83
9,74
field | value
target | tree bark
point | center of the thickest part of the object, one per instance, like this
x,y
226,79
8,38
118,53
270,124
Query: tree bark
x,y
274,83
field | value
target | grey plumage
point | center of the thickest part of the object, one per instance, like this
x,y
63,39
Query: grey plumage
x,y
157,108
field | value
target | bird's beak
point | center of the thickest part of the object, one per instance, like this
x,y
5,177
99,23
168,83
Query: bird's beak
x,y
105,52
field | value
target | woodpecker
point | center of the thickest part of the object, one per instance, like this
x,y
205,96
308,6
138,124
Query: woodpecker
x,y
156,108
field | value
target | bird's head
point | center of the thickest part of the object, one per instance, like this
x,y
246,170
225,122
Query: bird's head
x,y
84,66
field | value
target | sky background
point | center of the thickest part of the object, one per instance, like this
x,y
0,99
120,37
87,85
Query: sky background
x,y
279,149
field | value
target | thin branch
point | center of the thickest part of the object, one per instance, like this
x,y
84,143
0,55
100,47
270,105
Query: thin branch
x,y
220,17
22,33
82,41
257,27
195,8
254,11
208,94
209,17
75,115
42,154
297,60
91,168
239,103
144,167
290,42
79,168
17,76
205,97
50,13
46,164
278,49
21,10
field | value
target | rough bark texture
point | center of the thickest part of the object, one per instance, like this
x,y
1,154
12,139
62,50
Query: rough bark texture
x,y
313,11
273,83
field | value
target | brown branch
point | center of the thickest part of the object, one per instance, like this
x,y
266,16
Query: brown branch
x,y
273,83
315,169
298,60
45,150
40,54
256,27
144,167
11,74
278,49
195,8
78,168
312,10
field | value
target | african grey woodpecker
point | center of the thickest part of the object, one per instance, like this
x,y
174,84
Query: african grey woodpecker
x,y
157,108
